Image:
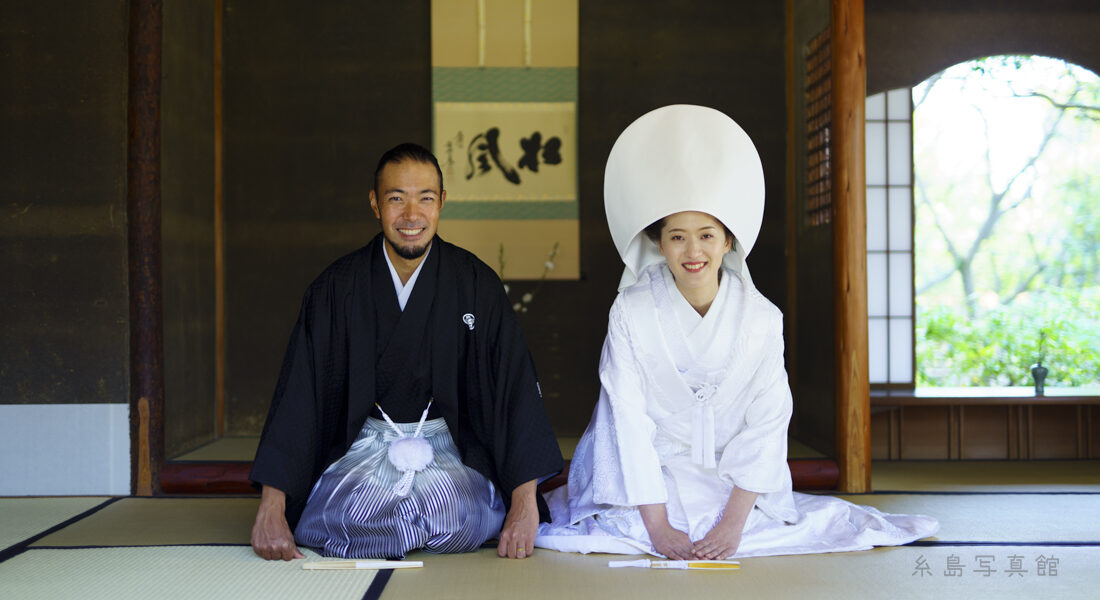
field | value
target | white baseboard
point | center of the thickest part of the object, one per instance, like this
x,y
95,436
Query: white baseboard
x,y
64,449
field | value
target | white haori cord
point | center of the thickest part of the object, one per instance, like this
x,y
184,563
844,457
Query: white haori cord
x,y
408,454
702,427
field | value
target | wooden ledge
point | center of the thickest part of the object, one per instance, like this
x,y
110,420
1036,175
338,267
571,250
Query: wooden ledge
x,y
202,478
984,396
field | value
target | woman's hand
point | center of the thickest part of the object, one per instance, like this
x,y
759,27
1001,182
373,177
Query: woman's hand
x,y
720,542
666,539
672,542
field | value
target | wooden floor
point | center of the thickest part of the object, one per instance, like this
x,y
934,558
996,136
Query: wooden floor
x,y
1008,530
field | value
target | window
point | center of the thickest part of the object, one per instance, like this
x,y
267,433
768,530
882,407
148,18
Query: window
x,y
890,237
989,169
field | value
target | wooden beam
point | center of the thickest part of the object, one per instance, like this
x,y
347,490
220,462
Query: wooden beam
x,y
849,72
143,213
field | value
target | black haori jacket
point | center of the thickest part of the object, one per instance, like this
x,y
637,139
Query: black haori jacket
x,y
483,379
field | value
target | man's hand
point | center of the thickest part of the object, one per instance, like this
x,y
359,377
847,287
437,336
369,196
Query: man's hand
x,y
665,538
517,537
271,535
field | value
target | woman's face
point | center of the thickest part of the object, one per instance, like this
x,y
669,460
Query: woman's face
x,y
693,244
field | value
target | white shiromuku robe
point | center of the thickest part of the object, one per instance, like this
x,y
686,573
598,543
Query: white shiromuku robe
x,y
689,407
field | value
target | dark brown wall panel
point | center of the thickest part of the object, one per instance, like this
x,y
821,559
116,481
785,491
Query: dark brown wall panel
x,y
1092,431
64,309
880,435
924,432
984,432
1053,431
187,230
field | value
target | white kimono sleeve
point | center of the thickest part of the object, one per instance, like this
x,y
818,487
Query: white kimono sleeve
x,y
756,458
626,470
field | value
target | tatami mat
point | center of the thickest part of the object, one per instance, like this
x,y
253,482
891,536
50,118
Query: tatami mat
x,y
169,573
1024,518
983,475
963,517
162,522
1012,531
879,573
22,518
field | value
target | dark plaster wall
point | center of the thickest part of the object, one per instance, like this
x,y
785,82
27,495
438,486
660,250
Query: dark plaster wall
x,y
187,210
909,40
811,349
314,93
314,96
63,306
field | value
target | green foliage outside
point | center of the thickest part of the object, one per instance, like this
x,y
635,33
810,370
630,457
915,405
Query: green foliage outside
x,y
1000,348
1007,223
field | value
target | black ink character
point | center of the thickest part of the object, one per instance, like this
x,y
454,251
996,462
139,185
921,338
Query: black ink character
x,y
485,147
551,152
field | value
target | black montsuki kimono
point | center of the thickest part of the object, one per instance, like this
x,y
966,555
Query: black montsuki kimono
x,y
482,379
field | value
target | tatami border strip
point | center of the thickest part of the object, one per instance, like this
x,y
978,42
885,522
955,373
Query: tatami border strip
x,y
1056,544
378,584
965,493
18,548
108,546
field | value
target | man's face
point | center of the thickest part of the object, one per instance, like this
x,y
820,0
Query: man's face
x,y
407,202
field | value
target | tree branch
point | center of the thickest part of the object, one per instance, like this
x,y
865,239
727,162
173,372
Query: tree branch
x,y
1087,108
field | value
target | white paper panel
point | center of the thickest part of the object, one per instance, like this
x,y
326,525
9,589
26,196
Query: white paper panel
x,y
64,449
876,218
901,285
876,284
899,104
876,107
901,350
901,149
901,213
877,345
876,153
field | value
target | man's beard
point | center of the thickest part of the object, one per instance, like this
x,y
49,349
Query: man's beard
x,y
409,253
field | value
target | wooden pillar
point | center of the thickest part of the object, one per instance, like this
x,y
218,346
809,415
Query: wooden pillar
x,y
853,410
143,223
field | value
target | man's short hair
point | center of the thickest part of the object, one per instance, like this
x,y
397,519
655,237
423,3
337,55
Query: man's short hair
x,y
407,151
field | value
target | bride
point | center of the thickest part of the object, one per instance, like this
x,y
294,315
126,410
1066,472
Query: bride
x,y
686,452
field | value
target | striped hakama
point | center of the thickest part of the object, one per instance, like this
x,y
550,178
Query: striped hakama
x,y
353,511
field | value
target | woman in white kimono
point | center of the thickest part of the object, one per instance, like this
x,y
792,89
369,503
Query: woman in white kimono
x,y
686,453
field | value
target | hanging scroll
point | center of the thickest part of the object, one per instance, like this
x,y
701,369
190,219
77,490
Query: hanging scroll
x,y
504,91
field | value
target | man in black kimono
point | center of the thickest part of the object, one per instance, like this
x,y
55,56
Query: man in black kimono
x,y
406,327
